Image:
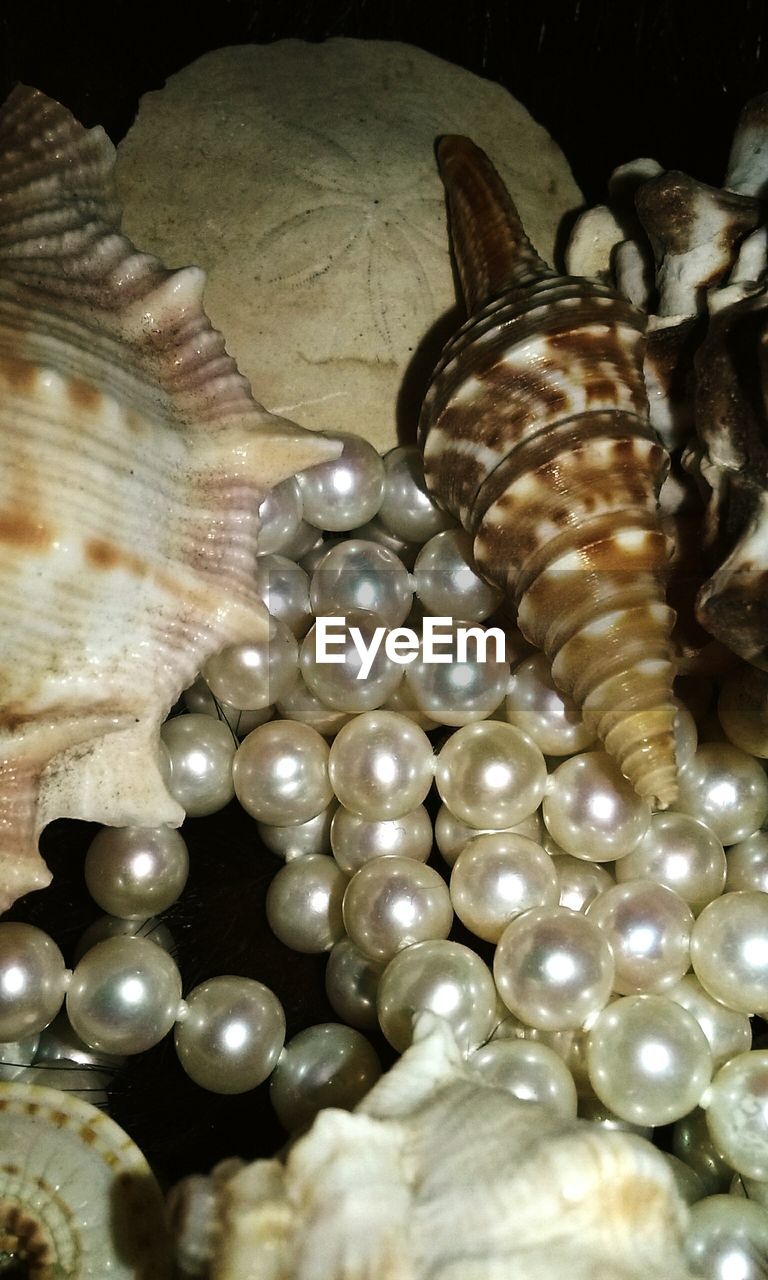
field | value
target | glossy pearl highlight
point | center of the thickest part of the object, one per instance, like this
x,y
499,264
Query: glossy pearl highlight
x,y
197,766
32,980
124,995
281,773
304,904
231,1035
135,872
490,775
381,765
496,877
445,977
592,811
391,903
327,1065
729,950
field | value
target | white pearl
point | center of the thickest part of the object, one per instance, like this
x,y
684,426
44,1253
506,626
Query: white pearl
x,y
736,1113
197,767
299,703
280,516
355,840
339,683
452,835
729,950
284,587
115,927
447,581
312,836
649,1059
381,765
406,508
747,864
351,983
59,1042
687,1182
306,541
403,702
529,1071
743,709
254,676
591,809
445,977
124,995
579,882
691,1142
327,1065
727,1239
681,853
535,705
374,531
686,735
344,493
553,968
391,903
312,559
727,1031
33,979
200,701
304,904
649,929
490,775
496,877
281,773
231,1035
725,788
596,1112
458,690
135,872
362,575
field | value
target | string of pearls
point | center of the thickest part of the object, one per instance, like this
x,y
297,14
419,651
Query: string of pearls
x,y
629,950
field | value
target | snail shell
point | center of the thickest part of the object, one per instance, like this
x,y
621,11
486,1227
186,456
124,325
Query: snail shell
x,y
535,435
134,459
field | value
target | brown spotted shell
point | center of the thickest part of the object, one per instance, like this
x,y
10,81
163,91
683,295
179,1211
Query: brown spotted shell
x,y
133,462
536,436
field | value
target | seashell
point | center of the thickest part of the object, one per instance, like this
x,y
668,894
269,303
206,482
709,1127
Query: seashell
x,y
134,460
439,1176
77,1198
536,437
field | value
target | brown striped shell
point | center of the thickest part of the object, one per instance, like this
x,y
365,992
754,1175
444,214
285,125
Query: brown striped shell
x,y
536,436
133,462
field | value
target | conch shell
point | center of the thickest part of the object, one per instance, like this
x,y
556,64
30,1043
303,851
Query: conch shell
x,y
535,435
134,461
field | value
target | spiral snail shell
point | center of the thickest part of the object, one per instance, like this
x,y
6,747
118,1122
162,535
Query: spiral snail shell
x,y
535,435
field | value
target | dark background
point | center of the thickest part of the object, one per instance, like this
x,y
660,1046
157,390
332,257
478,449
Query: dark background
x,y
611,79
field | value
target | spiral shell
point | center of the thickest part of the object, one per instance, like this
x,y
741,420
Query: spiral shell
x,y
536,436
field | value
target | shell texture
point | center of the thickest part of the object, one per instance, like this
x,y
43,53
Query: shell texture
x,y
77,1198
536,436
704,252
439,1176
134,460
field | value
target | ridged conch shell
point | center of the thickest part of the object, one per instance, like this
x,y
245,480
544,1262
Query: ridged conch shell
x,y
77,1198
438,1175
535,435
134,460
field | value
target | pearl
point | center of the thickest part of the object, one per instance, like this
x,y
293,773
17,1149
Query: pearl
x,y
447,581
681,853
199,700
232,1034
381,765
726,789
649,929
299,703
737,1113
305,542
596,1112
304,904
591,809
580,882
312,559
451,834
280,773
692,1144
729,950
32,980
339,682
391,903
727,1031
402,701
727,1239
198,765
553,968
374,531
445,977
356,840
280,516
747,864
406,508
341,494
254,676
327,1065
457,689
351,983
529,1071
135,872
496,877
648,1058
743,709
490,775
59,1042
535,705
362,575
686,735
312,836
114,927
124,995
284,587
688,1183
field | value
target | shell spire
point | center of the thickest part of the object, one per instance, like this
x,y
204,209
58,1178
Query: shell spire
x,y
536,437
